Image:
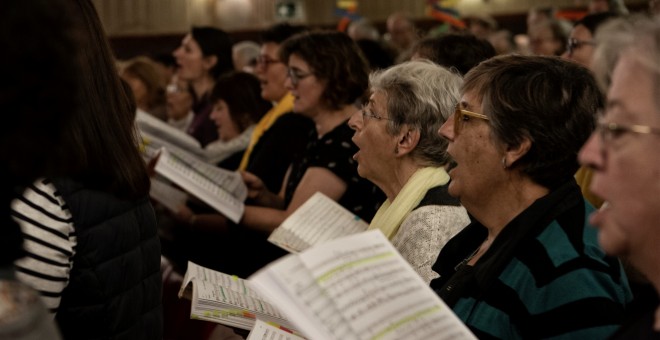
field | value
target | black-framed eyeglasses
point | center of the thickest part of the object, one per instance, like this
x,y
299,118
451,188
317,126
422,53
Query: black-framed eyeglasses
x,y
266,61
461,116
574,44
296,76
367,113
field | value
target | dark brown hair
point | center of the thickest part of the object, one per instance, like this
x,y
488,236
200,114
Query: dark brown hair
x,y
551,101
335,59
242,93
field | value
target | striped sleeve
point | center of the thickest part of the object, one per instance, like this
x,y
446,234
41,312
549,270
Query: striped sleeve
x,y
49,241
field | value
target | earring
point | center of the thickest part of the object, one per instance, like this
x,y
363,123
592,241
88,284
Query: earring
x,y
504,162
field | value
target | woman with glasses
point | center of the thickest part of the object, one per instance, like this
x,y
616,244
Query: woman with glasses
x,y
529,265
327,74
623,155
401,152
179,102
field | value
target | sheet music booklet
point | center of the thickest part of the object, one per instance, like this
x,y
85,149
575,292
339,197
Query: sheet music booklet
x,y
221,189
316,221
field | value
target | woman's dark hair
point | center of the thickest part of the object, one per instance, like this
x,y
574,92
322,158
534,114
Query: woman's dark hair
x,y
215,42
242,93
335,59
280,32
459,51
551,101
39,87
100,147
593,21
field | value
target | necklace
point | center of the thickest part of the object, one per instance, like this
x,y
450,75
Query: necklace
x,y
467,259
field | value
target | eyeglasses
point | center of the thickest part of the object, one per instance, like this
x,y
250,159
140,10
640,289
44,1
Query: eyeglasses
x,y
611,131
174,88
461,116
266,61
296,76
574,44
367,113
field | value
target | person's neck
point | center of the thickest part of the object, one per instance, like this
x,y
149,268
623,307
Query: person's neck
x,y
399,174
512,198
202,85
327,120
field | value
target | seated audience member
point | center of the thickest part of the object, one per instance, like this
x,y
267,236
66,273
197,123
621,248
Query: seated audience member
x,y
580,48
401,35
204,55
91,244
401,152
37,102
529,265
179,104
621,154
146,84
548,37
461,52
237,107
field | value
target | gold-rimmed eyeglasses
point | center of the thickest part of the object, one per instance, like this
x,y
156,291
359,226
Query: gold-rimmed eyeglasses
x,y
461,115
368,113
611,131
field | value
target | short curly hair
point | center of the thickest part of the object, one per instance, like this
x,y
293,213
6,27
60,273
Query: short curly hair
x,y
335,59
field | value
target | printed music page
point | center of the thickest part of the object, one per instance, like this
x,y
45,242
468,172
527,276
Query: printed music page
x,y
167,195
365,280
318,220
267,331
212,185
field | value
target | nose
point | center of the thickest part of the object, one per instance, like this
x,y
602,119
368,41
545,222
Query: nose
x,y
592,154
447,129
288,83
355,122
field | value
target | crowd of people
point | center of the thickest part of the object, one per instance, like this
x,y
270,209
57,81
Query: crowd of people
x,y
518,182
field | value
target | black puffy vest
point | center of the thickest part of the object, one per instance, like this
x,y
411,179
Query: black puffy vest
x,y
114,290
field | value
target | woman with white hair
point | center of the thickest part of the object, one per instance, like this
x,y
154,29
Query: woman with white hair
x,y
401,152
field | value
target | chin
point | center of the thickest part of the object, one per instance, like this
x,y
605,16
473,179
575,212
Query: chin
x,y
611,244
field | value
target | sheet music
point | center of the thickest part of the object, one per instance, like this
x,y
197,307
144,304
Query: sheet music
x,y
266,331
169,196
155,127
232,282
357,287
378,293
196,182
318,220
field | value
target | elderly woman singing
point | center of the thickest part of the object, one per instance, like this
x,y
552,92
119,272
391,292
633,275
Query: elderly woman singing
x,y
529,266
401,152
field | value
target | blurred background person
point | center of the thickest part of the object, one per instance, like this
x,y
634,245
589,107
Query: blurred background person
x,y
481,25
401,152
238,106
146,84
244,55
600,6
165,65
363,29
460,52
538,14
204,55
548,37
621,153
93,251
529,265
580,48
401,34
179,104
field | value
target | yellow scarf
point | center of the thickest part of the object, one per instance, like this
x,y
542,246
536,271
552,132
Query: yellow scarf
x,y
283,106
391,214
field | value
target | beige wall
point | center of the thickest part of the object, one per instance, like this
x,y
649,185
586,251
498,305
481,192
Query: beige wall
x,y
140,17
